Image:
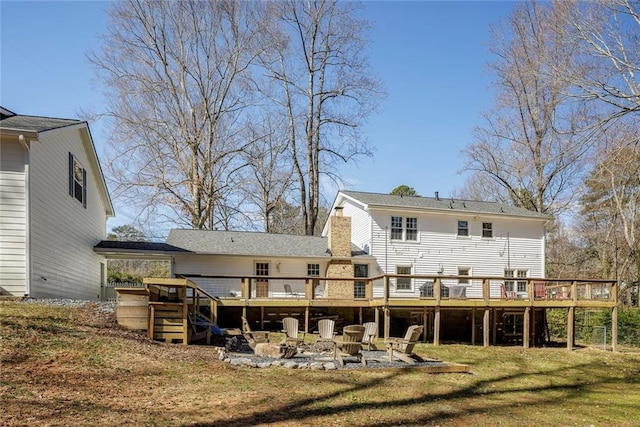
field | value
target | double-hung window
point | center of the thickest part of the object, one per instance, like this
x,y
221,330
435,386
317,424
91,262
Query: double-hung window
x,y
515,285
463,271
412,229
487,229
404,228
463,228
396,228
403,283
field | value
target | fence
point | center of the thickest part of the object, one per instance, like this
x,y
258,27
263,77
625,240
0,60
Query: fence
x,y
108,292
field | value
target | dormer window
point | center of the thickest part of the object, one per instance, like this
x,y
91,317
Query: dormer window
x,y
77,180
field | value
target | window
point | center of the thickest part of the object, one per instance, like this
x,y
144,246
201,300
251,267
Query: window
x,y
412,229
313,270
463,228
396,228
403,283
515,285
409,232
487,229
463,272
360,286
77,180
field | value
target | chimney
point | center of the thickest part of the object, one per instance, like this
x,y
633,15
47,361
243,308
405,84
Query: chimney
x,y
340,265
340,234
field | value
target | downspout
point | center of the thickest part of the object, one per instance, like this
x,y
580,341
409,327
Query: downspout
x,y
27,209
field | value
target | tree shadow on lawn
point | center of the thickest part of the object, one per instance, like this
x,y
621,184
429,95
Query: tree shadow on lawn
x,y
305,411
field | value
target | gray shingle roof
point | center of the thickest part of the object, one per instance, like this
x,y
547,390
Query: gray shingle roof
x,y
251,243
35,123
109,245
442,204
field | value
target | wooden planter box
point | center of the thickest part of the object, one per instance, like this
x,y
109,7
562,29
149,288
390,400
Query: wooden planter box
x,y
132,309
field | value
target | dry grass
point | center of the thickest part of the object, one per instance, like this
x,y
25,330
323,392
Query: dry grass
x,y
63,366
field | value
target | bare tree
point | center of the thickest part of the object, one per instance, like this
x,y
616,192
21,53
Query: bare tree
x,y
611,206
319,60
269,177
179,83
606,33
531,145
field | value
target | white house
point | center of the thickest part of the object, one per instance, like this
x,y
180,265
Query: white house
x,y
438,236
54,205
383,234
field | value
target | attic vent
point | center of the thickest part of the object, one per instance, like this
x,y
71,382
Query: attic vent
x,y
437,195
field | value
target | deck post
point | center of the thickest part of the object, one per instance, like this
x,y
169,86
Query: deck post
x,y
360,315
306,319
424,324
526,327
494,328
376,315
486,327
436,290
486,291
262,317
309,289
214,312
436,326
185,311
570,327
386,293
614,329
387,322
473,326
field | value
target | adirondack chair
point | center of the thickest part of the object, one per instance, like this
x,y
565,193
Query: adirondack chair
x,y
350,345
402,348
326,330
370,334
290,326
253,337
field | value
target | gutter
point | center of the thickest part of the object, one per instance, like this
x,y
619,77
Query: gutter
x,y
27,209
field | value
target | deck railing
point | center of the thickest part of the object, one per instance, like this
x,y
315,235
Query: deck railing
x,y
393,287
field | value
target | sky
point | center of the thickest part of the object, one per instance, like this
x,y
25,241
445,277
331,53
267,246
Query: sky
x,y
431,57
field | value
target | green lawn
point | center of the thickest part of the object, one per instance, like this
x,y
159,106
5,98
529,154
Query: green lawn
x,y
61,366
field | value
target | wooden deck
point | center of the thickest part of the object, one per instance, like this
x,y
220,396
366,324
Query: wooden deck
x,y
484,297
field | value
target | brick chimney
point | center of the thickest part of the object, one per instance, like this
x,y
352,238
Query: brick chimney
x,y
340,264
340,234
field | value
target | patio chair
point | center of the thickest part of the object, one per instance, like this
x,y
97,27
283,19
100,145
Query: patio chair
x,y
505,294
290,326
253,337
402,348
370,334
289,293
351,344
326,330
539,290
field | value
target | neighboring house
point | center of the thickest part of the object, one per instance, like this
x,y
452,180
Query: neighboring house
x,y
54,206
436,236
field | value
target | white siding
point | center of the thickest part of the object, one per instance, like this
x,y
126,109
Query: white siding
x,y
13,226
63,232
360,224
516,243
234,266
